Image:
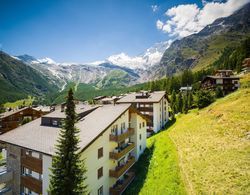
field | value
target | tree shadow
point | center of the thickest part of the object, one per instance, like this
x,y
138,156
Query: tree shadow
x,y
166,127
141,169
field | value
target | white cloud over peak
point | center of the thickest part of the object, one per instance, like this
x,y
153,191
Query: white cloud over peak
x,y
184,20
150,57
155,8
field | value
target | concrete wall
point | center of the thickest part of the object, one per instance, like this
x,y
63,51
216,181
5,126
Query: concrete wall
x,y
136,120
47,163
156,117
14,162
160,113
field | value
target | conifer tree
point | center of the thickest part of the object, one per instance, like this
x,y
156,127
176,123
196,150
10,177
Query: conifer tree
x,y
173,102
179,102
68,170
185,104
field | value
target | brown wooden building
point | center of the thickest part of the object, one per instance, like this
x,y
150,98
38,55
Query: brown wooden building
x,y
223,79
12,119
246,65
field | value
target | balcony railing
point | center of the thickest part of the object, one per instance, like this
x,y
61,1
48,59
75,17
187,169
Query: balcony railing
x,y
6,176
118,154
119,188
123,136
120,170
32,163
32,183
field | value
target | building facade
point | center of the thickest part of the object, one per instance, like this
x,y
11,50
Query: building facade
x,y
223,79
110,147
152,105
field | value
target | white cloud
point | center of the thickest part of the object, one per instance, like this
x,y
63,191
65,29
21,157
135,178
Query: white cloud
x,y
183,20
155,8
159,24
150,57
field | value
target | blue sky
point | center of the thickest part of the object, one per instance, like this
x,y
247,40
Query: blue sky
x,y
82,30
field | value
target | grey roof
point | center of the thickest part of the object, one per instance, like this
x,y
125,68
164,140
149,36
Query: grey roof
x,y
5,114
43,138
220,77
186,88
42,108
80,108
153,98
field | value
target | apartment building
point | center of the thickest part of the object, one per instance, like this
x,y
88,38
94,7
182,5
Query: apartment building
x,y
112,137
152,105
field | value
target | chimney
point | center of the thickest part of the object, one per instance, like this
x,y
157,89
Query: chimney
x,y
62,107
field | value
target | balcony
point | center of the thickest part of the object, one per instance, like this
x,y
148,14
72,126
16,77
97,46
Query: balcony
x,y
118,153
120,170
123,136
120,186
32,183
32,163
6,176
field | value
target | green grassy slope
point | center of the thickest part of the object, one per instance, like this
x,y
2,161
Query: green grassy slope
x,y
208,150
157,171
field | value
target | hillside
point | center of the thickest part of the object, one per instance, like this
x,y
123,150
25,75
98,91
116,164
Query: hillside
x,y
204,152
199,50
17,80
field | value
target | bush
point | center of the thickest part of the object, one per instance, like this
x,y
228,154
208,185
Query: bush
x,y
219,92
204,98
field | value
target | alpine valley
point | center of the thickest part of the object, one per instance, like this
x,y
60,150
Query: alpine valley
x,y
196,52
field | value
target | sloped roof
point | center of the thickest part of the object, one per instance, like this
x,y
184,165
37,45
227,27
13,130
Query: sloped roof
x,y
80,108
9,113
154,97
43,138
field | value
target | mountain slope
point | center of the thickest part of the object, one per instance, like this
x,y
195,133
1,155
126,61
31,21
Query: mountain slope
x,y
18,80
200,50
207,150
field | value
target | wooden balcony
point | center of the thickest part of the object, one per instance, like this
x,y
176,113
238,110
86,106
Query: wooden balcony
x,y
32,183
120,187
123,136
122,169
32,163
119,154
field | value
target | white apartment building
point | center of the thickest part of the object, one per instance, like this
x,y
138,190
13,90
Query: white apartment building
x,y
152,105
112,137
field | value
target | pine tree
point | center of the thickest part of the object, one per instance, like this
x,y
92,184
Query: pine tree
x,y
68,170
190,100
185,104
179,102
173,102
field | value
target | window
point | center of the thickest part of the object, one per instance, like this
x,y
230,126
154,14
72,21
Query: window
x,y
54,123
140,147
99,173
100,153
123,125
114,129
140,125
143,124
140,137
100,191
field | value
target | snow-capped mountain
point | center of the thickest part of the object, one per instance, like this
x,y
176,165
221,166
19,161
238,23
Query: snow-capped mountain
x,y
151,57
62,73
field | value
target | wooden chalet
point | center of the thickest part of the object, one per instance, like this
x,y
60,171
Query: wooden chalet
x,y
12,119
223,79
